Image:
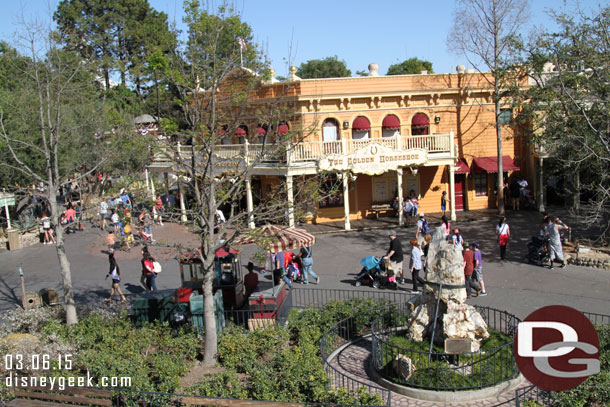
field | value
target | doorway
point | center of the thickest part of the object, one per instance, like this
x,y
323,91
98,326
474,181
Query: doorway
x,y
460,185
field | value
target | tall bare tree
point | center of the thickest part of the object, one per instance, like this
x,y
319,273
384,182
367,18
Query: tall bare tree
x,y
48,126
482,32
218,76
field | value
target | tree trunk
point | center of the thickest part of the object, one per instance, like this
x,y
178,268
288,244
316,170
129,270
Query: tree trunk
x,y
210,344
576,190
64,264
500,185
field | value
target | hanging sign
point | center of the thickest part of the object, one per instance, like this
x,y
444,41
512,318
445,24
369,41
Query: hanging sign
x,y
374,159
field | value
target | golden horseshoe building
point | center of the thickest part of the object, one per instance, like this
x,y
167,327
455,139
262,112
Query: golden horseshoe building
x,y
385,136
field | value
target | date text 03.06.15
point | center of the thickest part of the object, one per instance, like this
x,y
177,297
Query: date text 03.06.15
x,y
37,362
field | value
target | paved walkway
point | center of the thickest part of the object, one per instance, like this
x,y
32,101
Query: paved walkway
x,y
387,222
354,360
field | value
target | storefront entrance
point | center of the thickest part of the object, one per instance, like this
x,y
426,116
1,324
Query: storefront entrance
x,y
460,186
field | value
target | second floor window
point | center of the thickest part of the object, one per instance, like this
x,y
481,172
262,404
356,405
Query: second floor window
x,y
420,125
330,130
361,128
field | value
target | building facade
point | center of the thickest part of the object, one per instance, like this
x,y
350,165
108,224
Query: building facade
x,y
385,137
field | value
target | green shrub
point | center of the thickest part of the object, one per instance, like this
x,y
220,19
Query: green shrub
x,y
152,356
482,369
226,384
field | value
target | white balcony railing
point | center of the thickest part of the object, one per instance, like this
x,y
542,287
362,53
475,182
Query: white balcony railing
x,y
315,150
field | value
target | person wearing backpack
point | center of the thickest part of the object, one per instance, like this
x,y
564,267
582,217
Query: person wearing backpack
x,y
148,271
307,261
423,228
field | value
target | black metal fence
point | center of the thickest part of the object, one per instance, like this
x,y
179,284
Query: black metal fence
x,y
436,370
344,332
317,298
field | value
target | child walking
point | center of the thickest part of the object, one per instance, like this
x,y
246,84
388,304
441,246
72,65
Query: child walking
x,y
478,268
114,274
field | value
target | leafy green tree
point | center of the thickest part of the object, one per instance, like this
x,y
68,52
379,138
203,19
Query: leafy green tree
x,y
329,67
568,106
410,66
120,35
483,32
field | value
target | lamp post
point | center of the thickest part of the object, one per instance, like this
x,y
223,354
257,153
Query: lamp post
x,y
20,268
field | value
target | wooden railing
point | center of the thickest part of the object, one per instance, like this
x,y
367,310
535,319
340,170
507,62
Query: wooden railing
x,y
315,150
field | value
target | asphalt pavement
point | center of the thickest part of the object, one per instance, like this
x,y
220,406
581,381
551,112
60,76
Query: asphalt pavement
x,y
513,285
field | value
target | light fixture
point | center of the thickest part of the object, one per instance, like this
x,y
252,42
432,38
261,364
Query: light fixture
x,y
413,170
345,125
353,177
437,119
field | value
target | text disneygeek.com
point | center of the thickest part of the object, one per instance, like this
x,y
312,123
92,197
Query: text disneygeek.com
x,y
60,383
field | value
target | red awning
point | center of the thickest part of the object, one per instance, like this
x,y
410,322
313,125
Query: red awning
x,y
282,129
490,164
239,132
260,131
391,122
420,119
361,123
461,167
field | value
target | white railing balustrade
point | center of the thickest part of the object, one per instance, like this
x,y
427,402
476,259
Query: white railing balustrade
x,y
315,150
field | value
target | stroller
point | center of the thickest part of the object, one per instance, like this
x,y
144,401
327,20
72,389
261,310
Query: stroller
x,y
537,251
373,271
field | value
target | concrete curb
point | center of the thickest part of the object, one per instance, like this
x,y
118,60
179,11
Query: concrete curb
x,y
447,396
429,395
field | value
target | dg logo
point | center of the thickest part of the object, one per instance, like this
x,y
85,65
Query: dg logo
x,y
556,348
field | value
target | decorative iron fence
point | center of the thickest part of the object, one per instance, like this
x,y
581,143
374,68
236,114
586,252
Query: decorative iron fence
x,y
345,331
315,298
440,371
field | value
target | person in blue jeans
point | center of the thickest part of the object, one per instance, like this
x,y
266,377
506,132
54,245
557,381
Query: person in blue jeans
x,y
307,261
280,270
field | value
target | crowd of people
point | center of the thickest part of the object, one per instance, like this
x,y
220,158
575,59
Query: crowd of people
x,y
473,260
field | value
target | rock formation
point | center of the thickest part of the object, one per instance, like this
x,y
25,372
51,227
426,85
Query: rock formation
x,y
456,319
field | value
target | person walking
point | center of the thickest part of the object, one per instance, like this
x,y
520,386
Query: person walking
x,y
468,257
148,270
395,255
103,212
555,248
307,261
423,228
415,265
478,268
446,226
114,274
48,230
457,239
444,201
115,222
503,232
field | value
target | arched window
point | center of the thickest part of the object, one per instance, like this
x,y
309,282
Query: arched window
x,y
361,128
242,133
330,130
224,136
283,128
261,132
390,126
420,125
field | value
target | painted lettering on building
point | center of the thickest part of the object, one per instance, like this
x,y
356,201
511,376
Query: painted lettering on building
x,y
374,159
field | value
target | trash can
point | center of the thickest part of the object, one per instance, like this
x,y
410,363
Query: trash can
x,y
14,239
196,305
152,306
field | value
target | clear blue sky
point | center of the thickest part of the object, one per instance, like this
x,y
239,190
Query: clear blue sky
x,y
357,31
